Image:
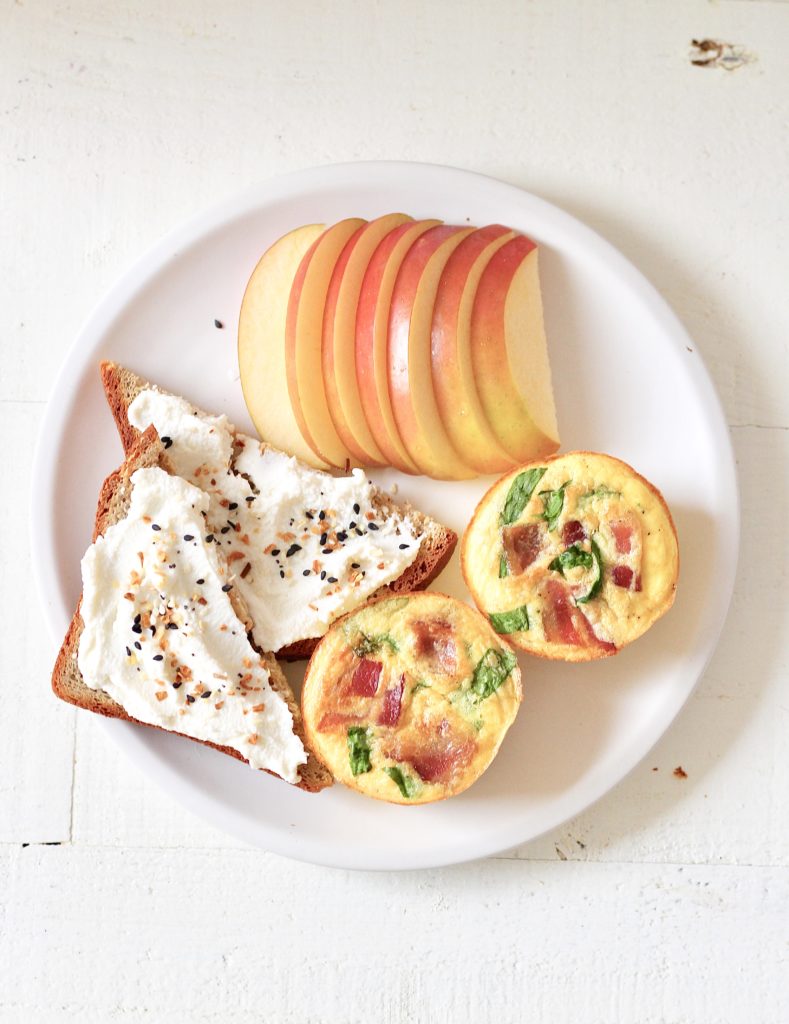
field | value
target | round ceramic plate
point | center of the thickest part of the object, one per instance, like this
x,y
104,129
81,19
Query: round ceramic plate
x,y
628,381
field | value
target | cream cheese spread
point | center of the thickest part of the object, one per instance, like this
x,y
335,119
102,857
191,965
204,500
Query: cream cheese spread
x,y
161,635
304,547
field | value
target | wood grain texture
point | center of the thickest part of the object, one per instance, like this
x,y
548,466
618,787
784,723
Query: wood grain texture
x,y
115,125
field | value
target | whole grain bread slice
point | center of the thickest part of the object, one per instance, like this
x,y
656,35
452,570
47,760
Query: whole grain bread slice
x,y
437,542
146,450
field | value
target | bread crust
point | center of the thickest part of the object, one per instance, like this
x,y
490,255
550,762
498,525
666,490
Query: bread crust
x,y
437,542
67,683
564,652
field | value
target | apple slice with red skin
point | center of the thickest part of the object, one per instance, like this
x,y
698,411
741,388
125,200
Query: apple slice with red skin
x,y
455,389
261,344
408,354
303,337
509,354
372,326
338,347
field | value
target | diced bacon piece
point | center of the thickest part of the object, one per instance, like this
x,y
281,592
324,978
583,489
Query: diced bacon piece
x,y
522,544
573,533
393,699
435,639
333,720
436,755
622,575
563,622
364,682
623,531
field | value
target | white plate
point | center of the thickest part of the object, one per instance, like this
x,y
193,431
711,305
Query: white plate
x,y
628,381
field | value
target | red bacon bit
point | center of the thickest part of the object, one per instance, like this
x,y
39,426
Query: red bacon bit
x,y
623,535
439,755
522,544
393,698
435,640
622,575
564,623
573,533
364,682
334,720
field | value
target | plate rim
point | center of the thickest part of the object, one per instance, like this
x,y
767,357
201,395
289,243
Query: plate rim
x,y
145,268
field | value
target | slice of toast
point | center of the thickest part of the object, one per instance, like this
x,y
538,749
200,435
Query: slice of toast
x,y
437,542
67,683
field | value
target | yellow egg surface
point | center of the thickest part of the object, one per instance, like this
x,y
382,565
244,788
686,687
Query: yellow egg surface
x,y
408,698
572,557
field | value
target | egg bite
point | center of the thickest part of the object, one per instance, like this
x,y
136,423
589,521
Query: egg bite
x,y
408,698
572,557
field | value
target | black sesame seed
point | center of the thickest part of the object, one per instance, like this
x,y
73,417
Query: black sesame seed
x,y
227,587
189,699
358,532
188,536
205,693
282,574
325,551
155,526
176,686
309,515
128,653
137,617
225,529
137,628
371,526
274,552
138,645
403,546
332,579
321,514
200,582
342,535
167,441
250,497
171,625
306,572
153,630
218,324
323,575
352,524
171,565
324,538
233,506
356,508
355,565
292,550
209,538
158,657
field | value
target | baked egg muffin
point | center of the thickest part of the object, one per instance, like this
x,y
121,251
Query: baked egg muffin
x,y
572,557
408,698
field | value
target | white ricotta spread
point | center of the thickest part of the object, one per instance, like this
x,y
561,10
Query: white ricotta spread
x,y
304,547
161,636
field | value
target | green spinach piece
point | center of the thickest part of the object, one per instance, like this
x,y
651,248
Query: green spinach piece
x,y
404,783
514,621
504,567
492,669
552,505
597,582
370,644
359,749
520,491
598,492
571,559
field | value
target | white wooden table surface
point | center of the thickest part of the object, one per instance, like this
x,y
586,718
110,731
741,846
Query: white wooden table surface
x,y
666,902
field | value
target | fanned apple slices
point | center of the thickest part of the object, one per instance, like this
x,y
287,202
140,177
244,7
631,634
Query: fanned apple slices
x,y
399,342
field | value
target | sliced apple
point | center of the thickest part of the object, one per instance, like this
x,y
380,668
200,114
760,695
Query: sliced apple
x,y
452,370
372,327
303,333
261,344
338,348
408,354
509,353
